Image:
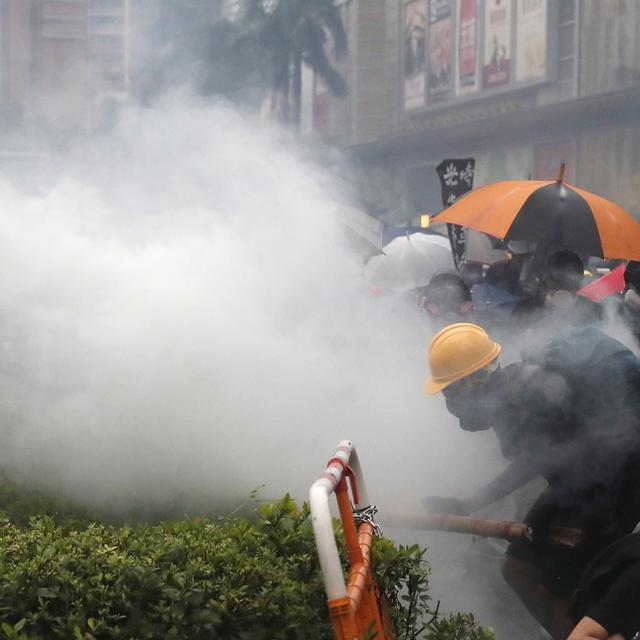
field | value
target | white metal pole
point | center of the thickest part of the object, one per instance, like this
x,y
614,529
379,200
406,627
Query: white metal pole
x,y
321,519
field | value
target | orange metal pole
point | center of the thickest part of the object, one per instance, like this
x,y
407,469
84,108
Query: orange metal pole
x,y
362,609
377,604
342,619
348,524
362,590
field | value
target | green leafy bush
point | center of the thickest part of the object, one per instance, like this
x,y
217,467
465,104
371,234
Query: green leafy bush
x,y
230,578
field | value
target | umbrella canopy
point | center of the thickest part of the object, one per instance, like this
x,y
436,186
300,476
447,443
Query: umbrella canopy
x,y
550,213
479,249
409,262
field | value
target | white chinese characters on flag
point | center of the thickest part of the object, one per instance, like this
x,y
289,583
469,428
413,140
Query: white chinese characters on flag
x,y
456,178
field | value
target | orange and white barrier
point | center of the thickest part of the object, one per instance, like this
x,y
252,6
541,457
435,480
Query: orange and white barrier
x,y
356,607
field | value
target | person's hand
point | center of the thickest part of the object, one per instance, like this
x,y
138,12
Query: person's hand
x,y
439,504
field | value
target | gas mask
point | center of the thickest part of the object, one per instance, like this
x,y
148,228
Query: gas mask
x,y
475,407
560,299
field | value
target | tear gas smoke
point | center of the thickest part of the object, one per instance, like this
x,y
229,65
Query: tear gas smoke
x,y
183,322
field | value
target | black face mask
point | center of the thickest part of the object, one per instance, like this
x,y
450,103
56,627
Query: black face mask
x,y
475,408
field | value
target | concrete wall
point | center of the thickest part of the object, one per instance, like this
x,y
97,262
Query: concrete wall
x,y
369,56
393,64
609,45
17,43
609,164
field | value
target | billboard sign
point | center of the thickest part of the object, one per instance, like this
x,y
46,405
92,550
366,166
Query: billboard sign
x,y
496,69
440,49
467,69
415,53
531,39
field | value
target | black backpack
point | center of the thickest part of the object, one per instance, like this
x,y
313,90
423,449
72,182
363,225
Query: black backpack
x,y
604,377
603,374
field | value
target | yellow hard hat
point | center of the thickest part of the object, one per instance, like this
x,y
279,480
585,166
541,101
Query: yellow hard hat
x,y
456,352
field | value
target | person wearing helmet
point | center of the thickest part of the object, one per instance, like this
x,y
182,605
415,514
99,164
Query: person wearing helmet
x,y
557,297
446,298
571,416
495,299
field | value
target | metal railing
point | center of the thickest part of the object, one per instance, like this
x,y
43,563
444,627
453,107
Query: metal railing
x,y
356,608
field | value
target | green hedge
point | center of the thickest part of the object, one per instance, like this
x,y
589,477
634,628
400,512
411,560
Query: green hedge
x,y
230,578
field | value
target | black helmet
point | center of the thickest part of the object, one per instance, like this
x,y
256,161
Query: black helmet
x,y
447,292
565,270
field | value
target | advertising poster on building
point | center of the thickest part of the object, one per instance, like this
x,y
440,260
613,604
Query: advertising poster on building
x,y
496,70
467,72
531,40
415,53
440,49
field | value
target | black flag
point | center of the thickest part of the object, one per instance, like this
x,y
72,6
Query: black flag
x,y
456,178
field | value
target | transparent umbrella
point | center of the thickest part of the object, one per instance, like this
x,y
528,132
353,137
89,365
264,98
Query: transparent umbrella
x,y
479,249
409,262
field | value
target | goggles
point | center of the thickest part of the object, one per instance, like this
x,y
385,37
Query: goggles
x,y
475,380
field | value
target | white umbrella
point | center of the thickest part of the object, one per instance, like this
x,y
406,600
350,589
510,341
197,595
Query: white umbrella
x,y
408,262
479,249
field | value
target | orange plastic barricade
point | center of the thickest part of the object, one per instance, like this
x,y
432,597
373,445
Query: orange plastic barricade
x,y
355,608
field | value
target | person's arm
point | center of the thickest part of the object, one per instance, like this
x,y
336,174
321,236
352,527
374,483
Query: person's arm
x,y
589,629
516,475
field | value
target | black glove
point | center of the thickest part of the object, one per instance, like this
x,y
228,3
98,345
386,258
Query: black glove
x,y
439,504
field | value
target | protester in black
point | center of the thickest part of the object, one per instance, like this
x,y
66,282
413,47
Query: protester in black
x,y
556,302
570,415
445,299
607,600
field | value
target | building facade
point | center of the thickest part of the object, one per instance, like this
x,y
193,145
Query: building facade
x,y
60,58
519,85
66,64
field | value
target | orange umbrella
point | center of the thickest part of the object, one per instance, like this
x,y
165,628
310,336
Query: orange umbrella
x,y
548,212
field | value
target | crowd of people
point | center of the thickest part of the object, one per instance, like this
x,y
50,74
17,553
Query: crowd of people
x,y
568,411
512,295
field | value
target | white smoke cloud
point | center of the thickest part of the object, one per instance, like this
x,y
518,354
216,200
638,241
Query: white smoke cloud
x,y
182,322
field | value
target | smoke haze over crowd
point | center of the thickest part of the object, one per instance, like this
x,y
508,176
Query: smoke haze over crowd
x,y
183,322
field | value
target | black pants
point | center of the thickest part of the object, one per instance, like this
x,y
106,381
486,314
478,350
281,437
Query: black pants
x,y
560,565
